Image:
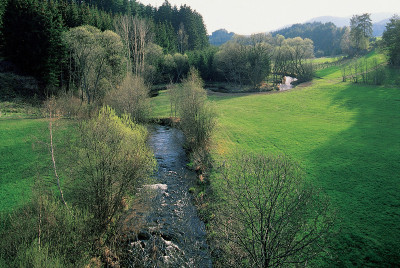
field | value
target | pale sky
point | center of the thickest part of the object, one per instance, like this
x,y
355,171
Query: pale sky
x,y
253,16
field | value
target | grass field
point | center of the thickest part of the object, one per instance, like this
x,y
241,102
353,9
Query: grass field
x,y
18,165
24,152
346,138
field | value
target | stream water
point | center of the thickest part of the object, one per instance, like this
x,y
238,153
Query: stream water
x,y
172,226
287,83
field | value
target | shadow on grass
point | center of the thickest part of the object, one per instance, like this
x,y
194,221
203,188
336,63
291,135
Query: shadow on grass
x,y
359,170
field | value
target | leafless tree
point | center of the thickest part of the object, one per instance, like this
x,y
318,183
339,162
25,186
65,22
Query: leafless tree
x,y
136,35
182,39
271,217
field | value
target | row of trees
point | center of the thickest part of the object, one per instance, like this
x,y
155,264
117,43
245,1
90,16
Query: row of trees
x,y
325,36
363,71
251,60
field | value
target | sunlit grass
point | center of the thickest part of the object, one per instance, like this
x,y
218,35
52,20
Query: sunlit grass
x,y
346,138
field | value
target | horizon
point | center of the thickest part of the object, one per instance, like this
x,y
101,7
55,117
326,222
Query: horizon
x,y
259,17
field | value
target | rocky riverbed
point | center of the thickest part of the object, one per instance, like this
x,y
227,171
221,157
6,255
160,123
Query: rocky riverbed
x,y
172,234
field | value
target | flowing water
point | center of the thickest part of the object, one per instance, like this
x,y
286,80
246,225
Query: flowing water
x,y
172,226
287,83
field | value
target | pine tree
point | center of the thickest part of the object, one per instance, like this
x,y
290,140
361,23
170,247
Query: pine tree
x,y
32,35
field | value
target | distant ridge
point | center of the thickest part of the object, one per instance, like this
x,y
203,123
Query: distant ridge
x,y
379,21
220,37
338,21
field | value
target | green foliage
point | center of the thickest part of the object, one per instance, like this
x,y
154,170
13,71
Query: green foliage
x,y
112,161
98,60
165,37
326,36
391,40
3,5
170,19
132,98
203,61
360,31
250,60
197,117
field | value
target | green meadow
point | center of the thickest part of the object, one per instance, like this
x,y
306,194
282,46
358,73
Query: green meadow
x,y
345,136
24,152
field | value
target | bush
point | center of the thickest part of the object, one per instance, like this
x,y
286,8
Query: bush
x,y
197,116
68,106
45,233
306,72
113,159
132,97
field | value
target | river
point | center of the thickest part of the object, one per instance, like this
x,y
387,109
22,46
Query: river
x,y
172,226
287,83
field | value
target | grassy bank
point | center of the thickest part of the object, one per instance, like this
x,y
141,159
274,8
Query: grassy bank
x,y
345,136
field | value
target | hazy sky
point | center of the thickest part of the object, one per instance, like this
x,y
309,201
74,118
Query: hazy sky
x,y
251,16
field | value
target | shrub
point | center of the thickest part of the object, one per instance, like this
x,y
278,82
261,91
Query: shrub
x,y
132,97
113,159
45,233
197,116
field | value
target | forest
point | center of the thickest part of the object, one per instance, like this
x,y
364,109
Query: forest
x,y
277,173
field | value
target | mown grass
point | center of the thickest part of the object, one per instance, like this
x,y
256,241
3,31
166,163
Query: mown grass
x,y
326,59
24,154
346,138
18,165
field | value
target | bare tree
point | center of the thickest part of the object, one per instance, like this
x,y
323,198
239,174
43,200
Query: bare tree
x,y
123,28
272,218
136,35
182,39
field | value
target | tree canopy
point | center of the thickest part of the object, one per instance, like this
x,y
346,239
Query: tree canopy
x,y
326,36
360,31
391,40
